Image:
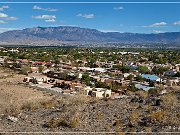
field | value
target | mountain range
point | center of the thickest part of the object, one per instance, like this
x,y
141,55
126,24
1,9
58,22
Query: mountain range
x,y
61,34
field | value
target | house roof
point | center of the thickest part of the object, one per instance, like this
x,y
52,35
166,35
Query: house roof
x,y
143,87
150,77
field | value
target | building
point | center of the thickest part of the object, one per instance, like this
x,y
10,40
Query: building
x,y
150,77
143,87
170,73
99,92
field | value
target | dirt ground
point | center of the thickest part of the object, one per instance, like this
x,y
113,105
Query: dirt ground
x,y
16,94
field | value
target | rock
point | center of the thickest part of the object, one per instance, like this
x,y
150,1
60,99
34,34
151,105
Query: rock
x,y
12,119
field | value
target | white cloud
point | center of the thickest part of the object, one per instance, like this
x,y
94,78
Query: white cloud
x,y
3,7
110,31
50,20
2,15
157,31
46,17
158,24
35,7
6,17
118,8
11,18
177,23
2,22
8,29
87,16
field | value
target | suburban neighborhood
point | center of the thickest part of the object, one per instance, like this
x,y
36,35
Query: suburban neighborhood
x,y
98,77
119,89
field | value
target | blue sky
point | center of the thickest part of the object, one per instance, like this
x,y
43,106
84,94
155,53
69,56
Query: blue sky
x,y
121,17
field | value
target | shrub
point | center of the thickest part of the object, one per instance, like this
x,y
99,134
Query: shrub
x,y
170,100
31,106
118,126
152,91
74,122
48,104
158,116
107,127
143,94
99,116
134,117
54,123
12,111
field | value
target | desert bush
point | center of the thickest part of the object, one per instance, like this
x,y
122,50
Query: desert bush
x,y
150,108
118,126
152,91
158,116
170,100
107,127
99,116
31,106
48,104
25,70
74,122
54,123
143,94
134,117
12,111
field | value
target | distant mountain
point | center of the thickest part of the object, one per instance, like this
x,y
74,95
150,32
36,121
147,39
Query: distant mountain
x,y
55,35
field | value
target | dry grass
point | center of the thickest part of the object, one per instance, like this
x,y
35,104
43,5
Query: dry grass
x,y
143,94
71,113
148,129
57,122
107,127
99,116
31,106
14,94
54,123
118,126
49,104
74,122
170,100
158,116
134,117
12,111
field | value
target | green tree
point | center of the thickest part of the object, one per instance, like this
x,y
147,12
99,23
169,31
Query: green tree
x,y
139,78
130,77
102,85
125,69
25,70
143,69
85,78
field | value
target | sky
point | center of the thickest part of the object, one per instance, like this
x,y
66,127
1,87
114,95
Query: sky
x,y
106,17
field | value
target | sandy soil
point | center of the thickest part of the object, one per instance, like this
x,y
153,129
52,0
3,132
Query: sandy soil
x,y
16,94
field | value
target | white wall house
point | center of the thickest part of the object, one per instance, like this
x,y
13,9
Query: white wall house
x,y
101,92
98,92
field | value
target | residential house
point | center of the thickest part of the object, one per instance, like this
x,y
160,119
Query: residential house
x,y
143,87
170,73
150,77
101,93
98,92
